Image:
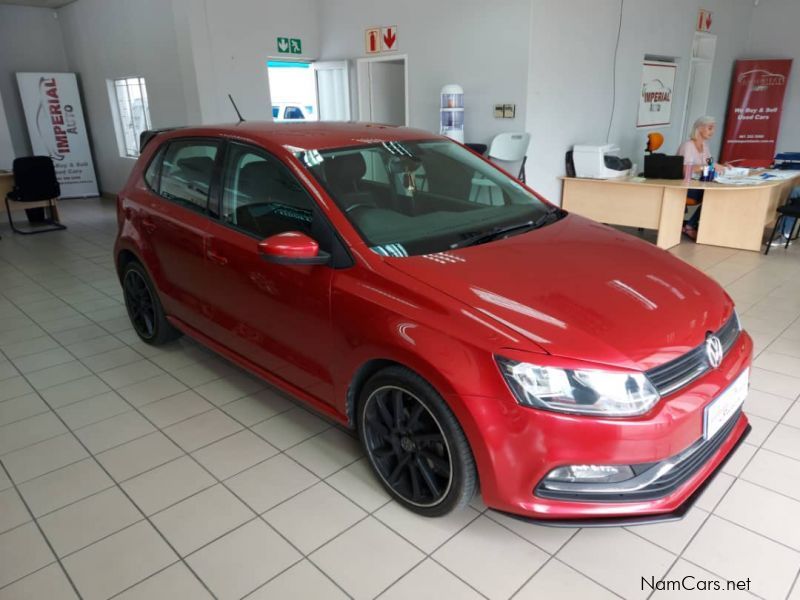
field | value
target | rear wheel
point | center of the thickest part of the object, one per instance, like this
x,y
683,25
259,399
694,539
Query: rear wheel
x,y
144,308
415,444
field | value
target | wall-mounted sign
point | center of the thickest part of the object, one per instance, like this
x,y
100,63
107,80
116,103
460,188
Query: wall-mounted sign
x,y
372,40
56,127
389,38
754,111
655,98
703,20
289,45
380,39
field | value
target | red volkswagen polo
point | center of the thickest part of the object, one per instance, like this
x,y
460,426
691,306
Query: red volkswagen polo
x,y
473,334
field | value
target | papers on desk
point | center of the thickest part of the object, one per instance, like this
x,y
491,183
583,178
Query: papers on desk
x,y
734,176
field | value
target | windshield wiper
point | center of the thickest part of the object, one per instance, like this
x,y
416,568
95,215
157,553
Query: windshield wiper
x,y
497,232
545,218
487,236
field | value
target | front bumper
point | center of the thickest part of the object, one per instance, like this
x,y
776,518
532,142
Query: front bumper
x,y
515,447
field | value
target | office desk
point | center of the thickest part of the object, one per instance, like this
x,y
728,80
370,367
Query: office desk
x,y
6,184
734,216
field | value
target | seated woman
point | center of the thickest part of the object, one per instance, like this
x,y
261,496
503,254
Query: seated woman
x,y
695,152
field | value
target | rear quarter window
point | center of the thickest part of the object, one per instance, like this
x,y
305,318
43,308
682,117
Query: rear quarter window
x,y
186,172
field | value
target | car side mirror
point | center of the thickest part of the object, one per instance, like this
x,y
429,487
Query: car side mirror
x,y
292,248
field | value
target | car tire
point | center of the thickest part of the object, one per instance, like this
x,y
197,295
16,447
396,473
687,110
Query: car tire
x,y
414,443
144,307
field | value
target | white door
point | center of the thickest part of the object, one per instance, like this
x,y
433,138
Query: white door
x,y
333,90
382,92
704,46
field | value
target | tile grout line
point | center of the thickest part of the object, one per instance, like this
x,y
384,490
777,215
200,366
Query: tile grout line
x,y
146,517
41,532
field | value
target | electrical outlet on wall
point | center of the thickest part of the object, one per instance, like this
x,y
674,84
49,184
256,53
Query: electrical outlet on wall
x,y
505,111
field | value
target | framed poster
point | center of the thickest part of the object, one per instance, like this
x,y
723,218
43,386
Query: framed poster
x,y
655,100
755,106
56,127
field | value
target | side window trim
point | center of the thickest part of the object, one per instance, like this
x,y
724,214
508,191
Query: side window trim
x,y
341,255
158,156
213,185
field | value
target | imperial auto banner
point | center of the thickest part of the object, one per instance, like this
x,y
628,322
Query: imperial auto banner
x,y
57,129
754,111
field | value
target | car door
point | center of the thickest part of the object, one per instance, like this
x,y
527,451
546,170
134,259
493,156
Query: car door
x,y
175,223
277,316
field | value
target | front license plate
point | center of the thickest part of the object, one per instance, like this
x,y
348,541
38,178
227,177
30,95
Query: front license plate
x,y
725,405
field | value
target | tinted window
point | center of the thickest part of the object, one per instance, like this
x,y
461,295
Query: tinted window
x,y
261,196
186,172
275,111
293,112
414,198
151,174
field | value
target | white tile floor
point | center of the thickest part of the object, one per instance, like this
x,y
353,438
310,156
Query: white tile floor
x,y
135,472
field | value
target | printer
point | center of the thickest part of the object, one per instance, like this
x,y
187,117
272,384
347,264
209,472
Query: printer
x,y
600,162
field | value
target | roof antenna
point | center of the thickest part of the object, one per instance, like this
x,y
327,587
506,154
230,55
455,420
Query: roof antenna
x,y
238,114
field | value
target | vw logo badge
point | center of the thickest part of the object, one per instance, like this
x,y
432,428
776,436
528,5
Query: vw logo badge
x,y
714,351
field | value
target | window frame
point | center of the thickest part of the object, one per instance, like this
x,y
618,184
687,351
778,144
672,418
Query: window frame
x,y
214,183
258,150
340,255
119,125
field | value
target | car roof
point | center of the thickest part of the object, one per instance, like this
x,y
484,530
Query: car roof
x,y
309,135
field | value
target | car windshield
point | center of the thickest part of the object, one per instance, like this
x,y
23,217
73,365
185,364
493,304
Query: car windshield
x,y
420,197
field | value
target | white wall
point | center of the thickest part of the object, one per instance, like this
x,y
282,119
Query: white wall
x,y
30,40
775,33
571,66
482,46
7,153
230,43
110,39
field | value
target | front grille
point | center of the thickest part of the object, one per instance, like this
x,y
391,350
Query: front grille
x,y
681,371
653,485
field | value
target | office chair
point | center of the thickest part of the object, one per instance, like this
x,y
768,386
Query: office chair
x,y
790,210
35,186
510,148
505,148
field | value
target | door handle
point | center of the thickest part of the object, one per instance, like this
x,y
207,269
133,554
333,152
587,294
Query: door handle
x,y
216,258
148,225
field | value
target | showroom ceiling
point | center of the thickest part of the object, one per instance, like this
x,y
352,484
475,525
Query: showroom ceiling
x,y
39,3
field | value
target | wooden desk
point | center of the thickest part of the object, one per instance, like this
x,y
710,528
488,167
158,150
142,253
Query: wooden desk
x,y
734,216
6,184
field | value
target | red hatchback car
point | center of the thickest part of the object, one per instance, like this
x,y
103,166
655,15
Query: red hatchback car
x,y
471,333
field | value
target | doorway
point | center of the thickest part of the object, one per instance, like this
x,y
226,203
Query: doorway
x,y
699,86
292,90
383,90
309,91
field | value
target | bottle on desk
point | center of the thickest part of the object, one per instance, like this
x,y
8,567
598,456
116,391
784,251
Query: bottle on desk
x,y
709,173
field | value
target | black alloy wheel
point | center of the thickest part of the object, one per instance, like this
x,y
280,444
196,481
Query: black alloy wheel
x,y
139,301
144,308
415,445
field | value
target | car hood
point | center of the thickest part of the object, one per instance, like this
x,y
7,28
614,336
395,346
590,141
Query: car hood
x,y
582,290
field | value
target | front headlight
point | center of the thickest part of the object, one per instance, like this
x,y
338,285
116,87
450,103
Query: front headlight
x,y
585,392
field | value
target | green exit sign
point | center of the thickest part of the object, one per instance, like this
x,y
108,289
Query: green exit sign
x,y
290,45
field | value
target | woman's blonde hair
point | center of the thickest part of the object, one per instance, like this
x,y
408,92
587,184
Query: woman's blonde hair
x,y
706,120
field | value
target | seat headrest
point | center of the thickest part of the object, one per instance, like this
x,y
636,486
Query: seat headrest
x,y
257,180
197,164
345,170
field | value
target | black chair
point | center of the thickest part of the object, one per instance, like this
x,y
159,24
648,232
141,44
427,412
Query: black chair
x,y
35,187
790,210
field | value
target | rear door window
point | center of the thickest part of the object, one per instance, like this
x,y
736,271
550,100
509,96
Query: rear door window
x,y
187,171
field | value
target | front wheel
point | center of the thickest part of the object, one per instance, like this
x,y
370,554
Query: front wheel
x,y
415,444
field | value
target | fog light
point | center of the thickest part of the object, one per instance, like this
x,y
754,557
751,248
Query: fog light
x,y
590,474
